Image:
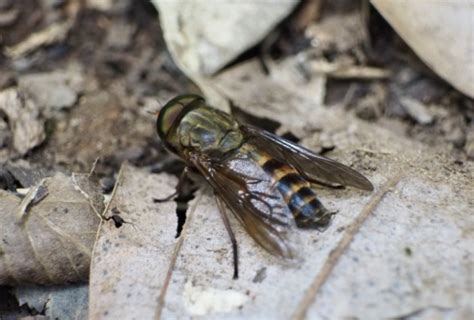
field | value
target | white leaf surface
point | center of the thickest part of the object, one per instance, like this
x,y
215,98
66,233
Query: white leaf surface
x,y
203,36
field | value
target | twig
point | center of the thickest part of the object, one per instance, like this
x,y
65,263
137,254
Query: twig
x,y
94,165
52,34
174,257
343,70
341,247
114,190
85,195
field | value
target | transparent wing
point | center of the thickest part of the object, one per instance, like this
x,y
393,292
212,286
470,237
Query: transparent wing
x,y
258,207
310,165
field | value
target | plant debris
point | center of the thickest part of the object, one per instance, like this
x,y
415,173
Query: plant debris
x,y
8,17
52,34
417,110
53,90
201,46
78,81
52,215
55,302
24,120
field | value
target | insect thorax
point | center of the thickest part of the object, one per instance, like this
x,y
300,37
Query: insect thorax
x,y
209,130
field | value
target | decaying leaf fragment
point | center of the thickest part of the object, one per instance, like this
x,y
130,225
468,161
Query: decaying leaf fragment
x,y
47,237
53,90
55,302
23,117
54,33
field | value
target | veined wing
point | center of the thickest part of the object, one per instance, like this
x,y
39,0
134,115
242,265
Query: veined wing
x,y
258,207
310,165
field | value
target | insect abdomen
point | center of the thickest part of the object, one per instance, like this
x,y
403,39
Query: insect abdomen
x,y
307,210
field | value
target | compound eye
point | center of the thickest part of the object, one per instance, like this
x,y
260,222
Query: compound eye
x,y
172,111
167,117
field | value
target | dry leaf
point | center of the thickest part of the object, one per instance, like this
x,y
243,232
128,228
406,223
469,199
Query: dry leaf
x,y
203,46
23,116
53,90
203,38
47,237
66,302
128,264
440,32
26,173
239,85
403,250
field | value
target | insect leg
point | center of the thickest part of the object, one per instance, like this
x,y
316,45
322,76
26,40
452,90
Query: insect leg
x,y
225,219
179,187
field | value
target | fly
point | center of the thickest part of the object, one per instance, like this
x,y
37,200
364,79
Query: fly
x,y
264,180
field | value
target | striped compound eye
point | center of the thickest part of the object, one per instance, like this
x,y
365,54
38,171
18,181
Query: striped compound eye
x,y
167,117
172,112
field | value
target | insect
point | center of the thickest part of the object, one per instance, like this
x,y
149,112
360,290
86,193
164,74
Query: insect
x,y
263,179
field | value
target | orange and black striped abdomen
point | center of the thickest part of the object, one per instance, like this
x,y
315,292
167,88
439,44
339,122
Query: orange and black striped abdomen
x,y
307,210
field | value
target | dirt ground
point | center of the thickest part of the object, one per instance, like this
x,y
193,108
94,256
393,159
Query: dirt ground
x,y
113,67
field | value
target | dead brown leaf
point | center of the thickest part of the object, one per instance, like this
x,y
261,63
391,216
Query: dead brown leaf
x,y
47,237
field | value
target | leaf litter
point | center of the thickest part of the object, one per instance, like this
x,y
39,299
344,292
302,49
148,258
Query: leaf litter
x,y
129,82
